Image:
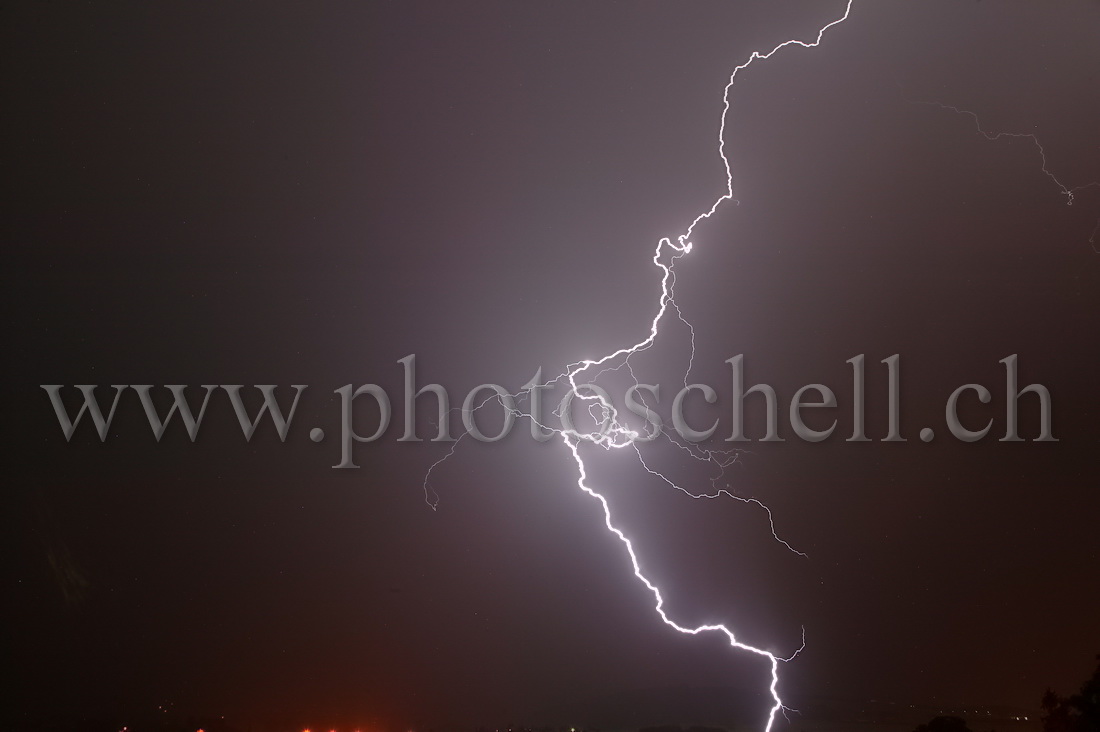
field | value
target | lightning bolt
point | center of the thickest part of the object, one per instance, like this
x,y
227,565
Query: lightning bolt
x,y
615,435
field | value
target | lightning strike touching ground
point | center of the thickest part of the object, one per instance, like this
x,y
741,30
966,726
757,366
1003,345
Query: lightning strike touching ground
x,y
614,435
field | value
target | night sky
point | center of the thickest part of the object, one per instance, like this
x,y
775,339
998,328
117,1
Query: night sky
x,y
296,193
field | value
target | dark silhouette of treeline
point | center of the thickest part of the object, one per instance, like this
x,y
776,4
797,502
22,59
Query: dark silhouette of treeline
x,y
1078,712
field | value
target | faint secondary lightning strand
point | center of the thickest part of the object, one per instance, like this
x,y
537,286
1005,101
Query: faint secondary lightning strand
x,y
719,493
614,435
1067,191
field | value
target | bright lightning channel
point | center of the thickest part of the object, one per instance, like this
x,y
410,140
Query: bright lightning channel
x,y
614,435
